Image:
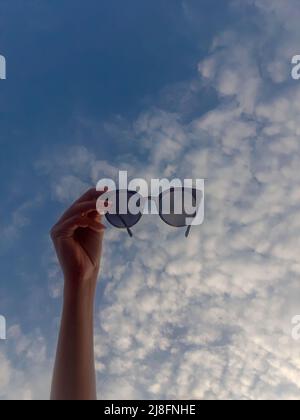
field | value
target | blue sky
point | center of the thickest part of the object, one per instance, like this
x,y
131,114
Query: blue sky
x,y
185,88
67,62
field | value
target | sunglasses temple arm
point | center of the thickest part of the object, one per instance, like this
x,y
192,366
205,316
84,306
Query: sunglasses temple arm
x,y
125,224
188,231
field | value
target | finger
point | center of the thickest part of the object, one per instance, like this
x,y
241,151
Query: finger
x,y
95,225
91,194
67,228
92,206
103,207
95,216
79,209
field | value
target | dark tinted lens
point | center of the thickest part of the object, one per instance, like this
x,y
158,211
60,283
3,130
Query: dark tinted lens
x,y
123,218
176,206
123,221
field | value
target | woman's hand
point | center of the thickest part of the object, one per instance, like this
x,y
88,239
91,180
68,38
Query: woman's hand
x,y
77,238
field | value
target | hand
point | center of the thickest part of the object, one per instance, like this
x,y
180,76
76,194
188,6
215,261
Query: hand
x,y
77,238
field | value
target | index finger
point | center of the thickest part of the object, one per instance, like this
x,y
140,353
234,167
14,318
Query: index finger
x,y
91,194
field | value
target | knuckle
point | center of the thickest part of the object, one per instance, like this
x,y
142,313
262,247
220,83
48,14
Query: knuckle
x,y
92,191
53,232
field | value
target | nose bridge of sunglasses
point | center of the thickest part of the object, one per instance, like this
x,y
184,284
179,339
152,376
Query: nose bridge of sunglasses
x,y
154,204
150,205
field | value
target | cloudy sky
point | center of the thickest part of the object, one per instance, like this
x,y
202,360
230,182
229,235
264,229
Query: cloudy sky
x,y
167,88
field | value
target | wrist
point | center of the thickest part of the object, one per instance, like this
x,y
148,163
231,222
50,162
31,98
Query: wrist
x,y
80,292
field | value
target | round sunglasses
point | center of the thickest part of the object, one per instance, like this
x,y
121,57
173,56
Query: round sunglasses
x,y
174,216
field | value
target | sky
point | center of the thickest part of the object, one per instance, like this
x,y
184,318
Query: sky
x,y
167,88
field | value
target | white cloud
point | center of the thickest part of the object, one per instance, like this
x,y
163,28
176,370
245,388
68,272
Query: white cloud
x,y
213,313
24,367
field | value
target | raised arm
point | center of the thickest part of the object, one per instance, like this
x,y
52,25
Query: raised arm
x,y
77,238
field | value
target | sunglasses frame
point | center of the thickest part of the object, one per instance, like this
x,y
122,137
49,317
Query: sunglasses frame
x,y
158,200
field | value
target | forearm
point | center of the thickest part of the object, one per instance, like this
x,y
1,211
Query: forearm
x,y
74,373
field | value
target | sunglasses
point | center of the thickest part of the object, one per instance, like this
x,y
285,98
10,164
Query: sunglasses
x,y
172,211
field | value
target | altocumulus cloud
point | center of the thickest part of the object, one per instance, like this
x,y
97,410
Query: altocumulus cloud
x,y
209,317
24,367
